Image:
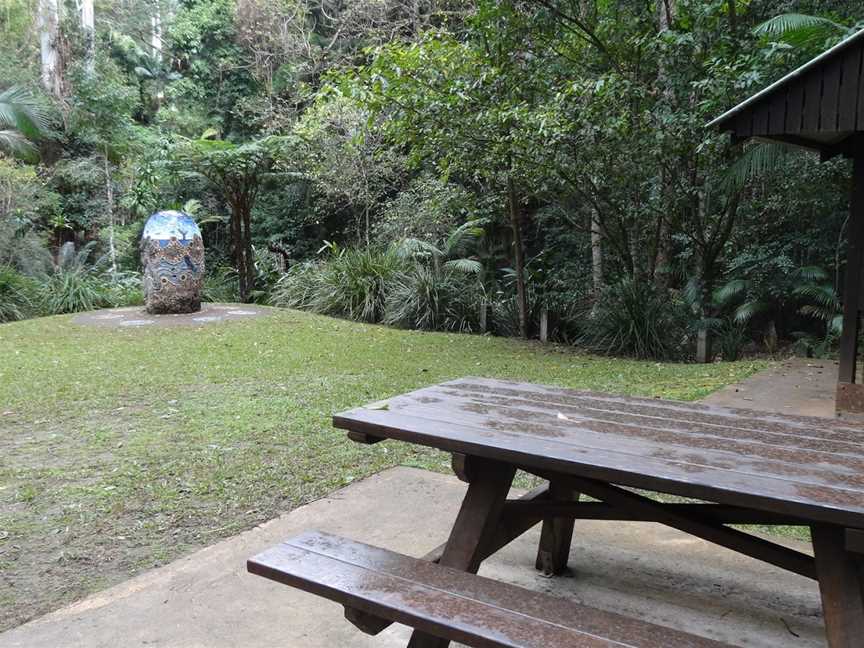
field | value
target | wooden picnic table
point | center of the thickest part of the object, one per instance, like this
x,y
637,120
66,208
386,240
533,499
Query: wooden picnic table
x,y
741,466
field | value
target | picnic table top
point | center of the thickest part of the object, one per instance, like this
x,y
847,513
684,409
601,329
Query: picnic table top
x,y
807,467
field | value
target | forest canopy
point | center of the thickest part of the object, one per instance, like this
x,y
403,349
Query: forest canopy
x,y
527,168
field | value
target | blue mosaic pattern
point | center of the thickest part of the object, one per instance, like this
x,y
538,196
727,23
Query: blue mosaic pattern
x,y
165,225
172,253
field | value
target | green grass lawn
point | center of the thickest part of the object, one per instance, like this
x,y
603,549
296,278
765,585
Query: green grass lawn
x,y
123,449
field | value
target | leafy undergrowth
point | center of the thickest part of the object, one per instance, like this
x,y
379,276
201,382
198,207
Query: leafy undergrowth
x,y
123,449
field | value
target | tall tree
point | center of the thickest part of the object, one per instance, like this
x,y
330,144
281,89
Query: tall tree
x,y
49,47
237,173
88,30
156,31
466,107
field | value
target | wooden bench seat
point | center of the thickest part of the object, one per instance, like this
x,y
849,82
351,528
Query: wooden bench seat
x,y
451,604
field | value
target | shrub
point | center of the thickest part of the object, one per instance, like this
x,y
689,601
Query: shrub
x,y
356,281
633,318
299,285
77,285
428,209
123,289
505,313
17,295
220,285
71,291
434,299
730,340
267,273
351,283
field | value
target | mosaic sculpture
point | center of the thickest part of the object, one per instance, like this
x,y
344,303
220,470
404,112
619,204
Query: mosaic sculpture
x,y
172,254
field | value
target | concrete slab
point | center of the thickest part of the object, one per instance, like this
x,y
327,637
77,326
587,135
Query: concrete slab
x,y
644,570
802,386
138,317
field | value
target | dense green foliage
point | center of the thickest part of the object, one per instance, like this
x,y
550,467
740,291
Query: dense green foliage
x,y
570,134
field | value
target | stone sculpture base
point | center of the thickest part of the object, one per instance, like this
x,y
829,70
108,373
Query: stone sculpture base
x,y
177,305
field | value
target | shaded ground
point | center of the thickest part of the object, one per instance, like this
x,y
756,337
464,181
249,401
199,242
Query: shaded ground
x,y
124,448
644,570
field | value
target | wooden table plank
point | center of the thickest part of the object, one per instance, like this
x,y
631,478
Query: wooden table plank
x,y
804,466
795,432
818,427
580,427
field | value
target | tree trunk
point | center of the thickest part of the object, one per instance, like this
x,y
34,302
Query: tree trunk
x,y
704,343
596,253
519,255
49,34
663,256
88,28
109,203
733,16
248,255
666,11
238,248
156,32
156,45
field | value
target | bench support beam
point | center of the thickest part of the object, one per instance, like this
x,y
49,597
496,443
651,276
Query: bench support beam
x,y
475,528
557,534
715,513
840,586
739,541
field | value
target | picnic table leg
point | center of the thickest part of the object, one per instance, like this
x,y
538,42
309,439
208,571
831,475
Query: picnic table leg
x,y
840,585
474,528
557,534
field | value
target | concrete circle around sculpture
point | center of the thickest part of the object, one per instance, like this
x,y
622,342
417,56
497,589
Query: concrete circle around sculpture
x,y
172,256
134,317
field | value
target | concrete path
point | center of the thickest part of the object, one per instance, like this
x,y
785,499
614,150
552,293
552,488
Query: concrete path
x,y
207,600
801,386
137,317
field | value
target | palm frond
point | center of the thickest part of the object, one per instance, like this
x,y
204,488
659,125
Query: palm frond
x,y
810,273
692,291
730,290
801,29
14,143
823,295
748,310
756,160
23,111
463,237
412,247
466,266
